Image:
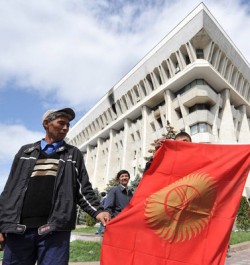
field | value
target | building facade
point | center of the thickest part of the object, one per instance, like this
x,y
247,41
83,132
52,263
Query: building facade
x,y
195,78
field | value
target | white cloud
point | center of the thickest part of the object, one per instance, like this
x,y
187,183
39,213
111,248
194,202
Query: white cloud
x,y
77,50
12,137
74,51
4,174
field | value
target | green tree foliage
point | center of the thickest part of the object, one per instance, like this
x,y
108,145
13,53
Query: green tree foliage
x,y
134,183
243,220
89,221
80,216
169,135
112,183
97,194
170,132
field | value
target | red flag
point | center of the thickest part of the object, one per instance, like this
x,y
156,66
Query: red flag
x,y
183,210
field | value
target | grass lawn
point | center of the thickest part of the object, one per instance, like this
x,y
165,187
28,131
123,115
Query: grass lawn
x,y
84,251
87,229
236,237
80,251
239,237
90,251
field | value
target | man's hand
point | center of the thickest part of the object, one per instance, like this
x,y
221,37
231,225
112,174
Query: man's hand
x,y
1,241
159,142
1,238
103,217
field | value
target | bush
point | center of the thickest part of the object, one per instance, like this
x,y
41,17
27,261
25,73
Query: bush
x,y
134,183
112,183
80,216
243,220
90,221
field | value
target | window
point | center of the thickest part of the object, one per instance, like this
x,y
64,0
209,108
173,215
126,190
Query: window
x,y
194,129
165,68
199,53
153,126
157,75
136,91
177,68
199,107
138,134
130,97
187,60
179,114
200,82
200,127
159,121
143,89
148,78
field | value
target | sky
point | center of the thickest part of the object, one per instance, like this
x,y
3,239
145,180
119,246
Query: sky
x,y
70,53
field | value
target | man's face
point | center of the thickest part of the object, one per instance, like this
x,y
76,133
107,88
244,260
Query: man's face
x,y
183,139
124,179
57,129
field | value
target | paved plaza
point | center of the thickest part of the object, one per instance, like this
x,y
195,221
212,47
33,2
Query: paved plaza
x,y
241,257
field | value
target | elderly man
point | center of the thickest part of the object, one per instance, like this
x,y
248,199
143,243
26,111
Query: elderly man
x,y
38,204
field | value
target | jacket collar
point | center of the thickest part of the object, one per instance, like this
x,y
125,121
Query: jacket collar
x,y
37,146
123,188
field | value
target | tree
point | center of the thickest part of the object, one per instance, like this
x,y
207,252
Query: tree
x,y
89,220
170,132
97,194
82,217
112,183
134,183
169,135
243,220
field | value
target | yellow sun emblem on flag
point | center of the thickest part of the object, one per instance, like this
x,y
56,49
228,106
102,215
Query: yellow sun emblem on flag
x,y
183,209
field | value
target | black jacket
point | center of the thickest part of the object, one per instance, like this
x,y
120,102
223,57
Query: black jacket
x,y
117,199
72,187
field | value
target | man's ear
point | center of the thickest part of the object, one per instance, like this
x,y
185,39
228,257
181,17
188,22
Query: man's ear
x,y
45,124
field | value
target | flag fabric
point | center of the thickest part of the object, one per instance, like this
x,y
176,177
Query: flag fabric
x,y
184,208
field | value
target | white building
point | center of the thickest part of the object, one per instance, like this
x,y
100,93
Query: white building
x,y
195,78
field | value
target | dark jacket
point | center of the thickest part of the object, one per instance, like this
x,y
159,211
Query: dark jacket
x,y
72,187
117,199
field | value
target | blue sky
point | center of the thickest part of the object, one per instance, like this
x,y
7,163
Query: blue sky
x,y
62,53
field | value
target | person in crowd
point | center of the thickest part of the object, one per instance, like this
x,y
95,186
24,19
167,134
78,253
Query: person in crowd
x,y
119,196
38,204
100,230
181,136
